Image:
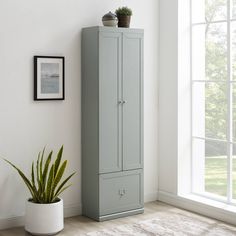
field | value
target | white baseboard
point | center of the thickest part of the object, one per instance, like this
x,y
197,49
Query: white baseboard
x,y
72,210
11,222
17,221
150,197
208,208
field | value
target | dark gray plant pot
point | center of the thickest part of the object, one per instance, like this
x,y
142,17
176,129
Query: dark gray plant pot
x,y
123,21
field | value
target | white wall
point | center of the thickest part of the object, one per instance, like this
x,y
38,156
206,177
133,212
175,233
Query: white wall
x,y
174,98
42,27
168,96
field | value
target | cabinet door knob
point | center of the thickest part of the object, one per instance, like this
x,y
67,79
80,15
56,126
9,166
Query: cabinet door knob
x,y
124,102
120,102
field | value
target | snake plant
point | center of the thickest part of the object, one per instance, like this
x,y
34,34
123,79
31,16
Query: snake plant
x,y
45,184
124,11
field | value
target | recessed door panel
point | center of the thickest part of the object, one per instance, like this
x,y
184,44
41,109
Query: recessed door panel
x,y
133,101
109,108
121,191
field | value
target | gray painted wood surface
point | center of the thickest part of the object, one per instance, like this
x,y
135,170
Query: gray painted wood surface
x,y
121,191
112,121
109,108
90,132
133,106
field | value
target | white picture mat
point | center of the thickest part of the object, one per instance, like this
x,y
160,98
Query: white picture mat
x,y
49,95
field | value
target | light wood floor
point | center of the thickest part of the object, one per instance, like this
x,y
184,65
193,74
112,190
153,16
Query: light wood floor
x,y
77,225
80,224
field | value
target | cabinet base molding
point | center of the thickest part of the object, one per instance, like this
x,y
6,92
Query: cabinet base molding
x,y
121,214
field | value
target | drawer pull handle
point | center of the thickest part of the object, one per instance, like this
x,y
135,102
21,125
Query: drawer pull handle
x,y
122,192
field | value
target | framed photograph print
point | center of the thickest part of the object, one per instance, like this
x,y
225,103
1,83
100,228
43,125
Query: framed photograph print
x,y
49,78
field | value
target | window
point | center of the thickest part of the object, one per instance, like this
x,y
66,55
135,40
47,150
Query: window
x,y
213,72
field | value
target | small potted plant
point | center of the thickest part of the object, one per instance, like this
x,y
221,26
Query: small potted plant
x,y
123,14
44,209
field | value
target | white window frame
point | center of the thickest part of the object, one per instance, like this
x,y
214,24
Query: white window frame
x,y
229,133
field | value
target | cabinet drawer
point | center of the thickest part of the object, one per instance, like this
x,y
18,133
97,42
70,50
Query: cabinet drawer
x,y
120,191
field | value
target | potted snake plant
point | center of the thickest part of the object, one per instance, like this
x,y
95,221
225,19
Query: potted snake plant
x,y
44,209
124,15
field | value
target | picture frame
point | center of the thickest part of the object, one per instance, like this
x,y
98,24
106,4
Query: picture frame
x,y
49,78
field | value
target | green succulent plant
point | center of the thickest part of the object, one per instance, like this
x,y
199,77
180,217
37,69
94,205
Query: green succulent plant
x,y
124,11
45,184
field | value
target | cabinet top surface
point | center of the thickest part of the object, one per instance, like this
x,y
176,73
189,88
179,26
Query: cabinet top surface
x,y
114,29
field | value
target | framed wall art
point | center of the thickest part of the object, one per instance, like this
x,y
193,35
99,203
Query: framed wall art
x,y
49,78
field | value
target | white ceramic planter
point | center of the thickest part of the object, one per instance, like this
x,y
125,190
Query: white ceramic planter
x,y
44,219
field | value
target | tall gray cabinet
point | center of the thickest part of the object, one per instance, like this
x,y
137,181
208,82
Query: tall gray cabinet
x,y
112,122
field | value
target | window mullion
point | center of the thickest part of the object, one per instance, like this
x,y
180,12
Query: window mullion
x,y
229,107
191,79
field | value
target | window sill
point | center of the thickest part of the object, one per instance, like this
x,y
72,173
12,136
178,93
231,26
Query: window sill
x,y
210,202
201,205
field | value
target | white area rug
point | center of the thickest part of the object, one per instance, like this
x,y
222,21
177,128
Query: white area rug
x,y
171,223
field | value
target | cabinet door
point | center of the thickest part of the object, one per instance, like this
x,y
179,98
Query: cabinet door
x,y
109,108
133,97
